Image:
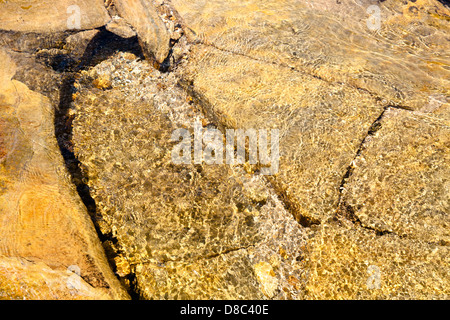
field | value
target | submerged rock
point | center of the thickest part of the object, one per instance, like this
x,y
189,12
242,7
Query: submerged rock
x,y
358,208
187,231
151,30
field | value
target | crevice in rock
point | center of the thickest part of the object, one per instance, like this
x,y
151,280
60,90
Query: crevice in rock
x,y
304,72
207,109
227,251
345,210
199,258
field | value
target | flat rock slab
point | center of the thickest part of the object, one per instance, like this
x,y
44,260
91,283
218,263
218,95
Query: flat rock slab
x,y
321,124
400,180
42,217
324,78
52,16
404,61
185,231
354,263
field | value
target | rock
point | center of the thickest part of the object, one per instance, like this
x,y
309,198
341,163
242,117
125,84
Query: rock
x,y
319,73
335,41
36,76
43,220
399,181
120,27
77,43
22,279
357,209
50,16
345,262
267,279
102,82
187,231
321,124
151,31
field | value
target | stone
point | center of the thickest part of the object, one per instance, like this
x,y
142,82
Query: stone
x,y
152,32
348,263
52,16
43,220
399,182
120,27
77,43
22,279
334,41
321,124
324,77
267,279
358,208
186,231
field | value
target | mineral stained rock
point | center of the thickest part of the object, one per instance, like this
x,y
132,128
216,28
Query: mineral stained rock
x,y
408,157
349,262
403,59
322,74
47,236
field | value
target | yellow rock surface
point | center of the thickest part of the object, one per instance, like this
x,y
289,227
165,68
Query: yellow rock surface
x,y
42,219
150,28
52,16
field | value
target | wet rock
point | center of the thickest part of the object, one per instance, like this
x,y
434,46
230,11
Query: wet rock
x,y
21,279
321,124
337,42
345,262
43,220
361,101
120,27
77,43
323,76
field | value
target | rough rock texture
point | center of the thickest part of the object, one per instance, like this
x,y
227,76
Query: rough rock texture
x,y
408,157
120,27
358,209
151,30
405,61
45,228
319,74
321,124
185,231
349,262
45,16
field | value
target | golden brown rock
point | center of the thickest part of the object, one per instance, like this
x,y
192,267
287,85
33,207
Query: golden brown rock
x,y
359,91
404,59
347,262
320,73
399,182
42,219
321,124
52,16
151,30
183,230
